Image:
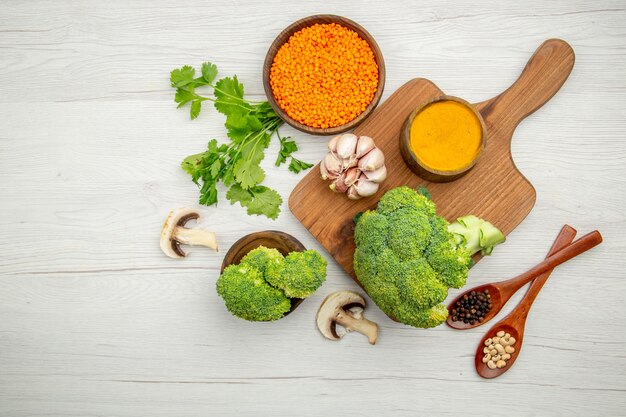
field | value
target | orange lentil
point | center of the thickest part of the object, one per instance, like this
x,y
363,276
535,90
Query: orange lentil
x,y
324,76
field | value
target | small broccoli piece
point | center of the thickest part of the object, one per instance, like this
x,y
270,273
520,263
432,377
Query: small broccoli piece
x,y
261,257
248,296
476,234
300,275
407,257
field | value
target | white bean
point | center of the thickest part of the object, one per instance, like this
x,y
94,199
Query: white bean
x,y
500,349
486,358
512,341
493,352
488,342
496,358
501,364
505,341
496,340
491,365
509,349
486,349
506,357
500,333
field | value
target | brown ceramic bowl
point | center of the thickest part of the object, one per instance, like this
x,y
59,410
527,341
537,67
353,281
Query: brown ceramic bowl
x,y
413,160
284,36
280,241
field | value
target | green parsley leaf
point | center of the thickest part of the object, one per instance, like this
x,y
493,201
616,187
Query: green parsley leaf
x,y
297,165
183,76
215,168
248,173
208,193
184,96
196,106
237,194
229,97
241,126
287,147
209,72
265,202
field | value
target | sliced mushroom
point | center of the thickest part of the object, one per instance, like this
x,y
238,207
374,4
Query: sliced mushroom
x,y
335,310
174,233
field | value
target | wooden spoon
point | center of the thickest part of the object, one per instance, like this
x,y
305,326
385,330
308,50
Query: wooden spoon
x,y
515,322
502,291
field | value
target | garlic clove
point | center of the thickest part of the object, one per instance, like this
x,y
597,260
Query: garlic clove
x,y
352,162
364,145
331,167
365,187
378,175
324,172
346,146
351,176
372,161
352,193
340,184
332,144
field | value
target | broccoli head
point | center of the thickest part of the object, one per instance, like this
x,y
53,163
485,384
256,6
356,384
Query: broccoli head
x,y
406,259
299,275
262,257
247,295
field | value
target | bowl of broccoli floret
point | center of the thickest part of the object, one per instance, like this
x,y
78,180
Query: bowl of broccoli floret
x,y
266,275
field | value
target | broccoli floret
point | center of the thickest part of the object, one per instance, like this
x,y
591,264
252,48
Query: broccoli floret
x,y
409,234
371,235
420,285
261,257
406,258
450,262
424,318
300,275
247,295
402,197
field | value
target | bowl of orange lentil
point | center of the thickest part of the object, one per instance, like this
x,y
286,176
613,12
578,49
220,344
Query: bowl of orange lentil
x,y
324,74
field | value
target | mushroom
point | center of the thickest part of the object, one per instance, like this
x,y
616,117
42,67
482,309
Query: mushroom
x,y
335,310
174,233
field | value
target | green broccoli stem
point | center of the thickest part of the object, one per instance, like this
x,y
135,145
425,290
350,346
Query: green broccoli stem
x,y
476,234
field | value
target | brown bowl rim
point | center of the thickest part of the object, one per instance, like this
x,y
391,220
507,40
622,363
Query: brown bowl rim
x,y
435,174
283,37
297,245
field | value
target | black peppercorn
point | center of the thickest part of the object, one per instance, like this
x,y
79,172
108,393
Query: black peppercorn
x,y
472,307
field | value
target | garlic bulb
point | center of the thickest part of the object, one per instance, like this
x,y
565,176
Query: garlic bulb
x,y
355,166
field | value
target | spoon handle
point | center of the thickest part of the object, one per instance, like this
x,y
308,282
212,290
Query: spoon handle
x,y
571,251
565,238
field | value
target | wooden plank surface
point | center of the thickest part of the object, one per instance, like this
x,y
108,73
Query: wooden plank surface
x,y
95,321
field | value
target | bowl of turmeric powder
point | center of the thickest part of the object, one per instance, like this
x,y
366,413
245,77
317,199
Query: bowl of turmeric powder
x,y
442,139
324,74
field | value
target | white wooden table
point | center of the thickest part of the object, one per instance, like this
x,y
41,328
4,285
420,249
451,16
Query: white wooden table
x,y
96,321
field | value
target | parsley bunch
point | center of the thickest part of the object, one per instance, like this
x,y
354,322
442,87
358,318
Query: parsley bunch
x,y
250,126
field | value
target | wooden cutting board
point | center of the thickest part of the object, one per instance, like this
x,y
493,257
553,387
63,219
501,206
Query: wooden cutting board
x,y
494,189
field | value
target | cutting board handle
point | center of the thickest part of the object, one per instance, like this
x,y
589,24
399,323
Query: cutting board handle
x,y
543,76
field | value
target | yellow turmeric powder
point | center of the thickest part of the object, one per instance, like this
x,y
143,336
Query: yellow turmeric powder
x,y
446,135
